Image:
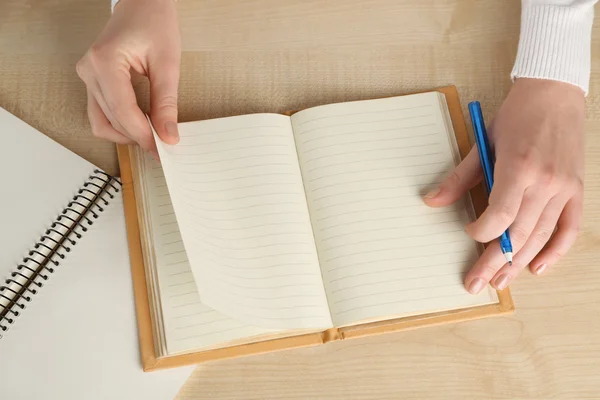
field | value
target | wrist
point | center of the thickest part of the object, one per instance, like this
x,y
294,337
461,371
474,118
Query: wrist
x,y
549,97
550,87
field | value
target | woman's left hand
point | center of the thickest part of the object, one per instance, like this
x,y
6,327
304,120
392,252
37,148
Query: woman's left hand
x,y
538,181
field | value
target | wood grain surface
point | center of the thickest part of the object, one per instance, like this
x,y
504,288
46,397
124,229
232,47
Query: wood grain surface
x,y
266,55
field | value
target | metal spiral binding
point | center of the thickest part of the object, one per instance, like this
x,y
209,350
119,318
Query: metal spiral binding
x,y
41,261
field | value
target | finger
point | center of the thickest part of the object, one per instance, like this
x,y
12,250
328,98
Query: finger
x,y
464,177
533,205
88,76
101,126
117,90
504,203
536,241
563,239
151,148
94,89
484,268
164,82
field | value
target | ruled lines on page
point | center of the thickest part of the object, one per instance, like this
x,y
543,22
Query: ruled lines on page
x,y
237,188
188,323
383,252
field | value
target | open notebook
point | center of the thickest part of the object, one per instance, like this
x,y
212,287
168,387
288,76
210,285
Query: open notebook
x,y
67,316
266,231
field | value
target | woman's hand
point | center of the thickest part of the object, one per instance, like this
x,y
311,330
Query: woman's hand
x,y
142,35
538,181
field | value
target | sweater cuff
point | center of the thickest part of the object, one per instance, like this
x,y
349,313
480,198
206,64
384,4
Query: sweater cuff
x,y
555,44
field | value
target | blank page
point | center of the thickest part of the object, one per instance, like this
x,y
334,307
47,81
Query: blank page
x,y
31,163
383,252
187,323
77,338
239,201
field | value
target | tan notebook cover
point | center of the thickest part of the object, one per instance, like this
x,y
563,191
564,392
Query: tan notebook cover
x,y
151,362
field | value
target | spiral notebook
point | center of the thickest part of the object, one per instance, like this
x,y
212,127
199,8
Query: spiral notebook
x,y
67,320
264,232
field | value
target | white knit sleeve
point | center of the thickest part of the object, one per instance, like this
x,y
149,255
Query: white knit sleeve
x,y
555,41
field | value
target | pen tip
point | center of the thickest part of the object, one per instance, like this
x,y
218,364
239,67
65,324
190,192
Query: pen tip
x,y
510,263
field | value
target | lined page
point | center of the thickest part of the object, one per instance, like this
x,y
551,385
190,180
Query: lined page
x,y
187,323
239,201
383,252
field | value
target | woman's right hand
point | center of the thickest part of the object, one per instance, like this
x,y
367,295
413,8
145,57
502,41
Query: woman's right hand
x,y
142,35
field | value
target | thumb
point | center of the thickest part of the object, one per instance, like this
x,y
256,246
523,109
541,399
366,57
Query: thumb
x,y
464,177
164,81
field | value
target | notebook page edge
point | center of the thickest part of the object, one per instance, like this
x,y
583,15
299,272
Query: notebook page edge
x,y
467,200
149,258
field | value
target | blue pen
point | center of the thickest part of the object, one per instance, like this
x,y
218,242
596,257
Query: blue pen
x,y
487,163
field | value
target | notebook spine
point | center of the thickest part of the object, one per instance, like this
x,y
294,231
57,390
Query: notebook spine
x,y
54,245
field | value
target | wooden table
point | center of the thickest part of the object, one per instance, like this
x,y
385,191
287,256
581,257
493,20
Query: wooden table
x,y
273,55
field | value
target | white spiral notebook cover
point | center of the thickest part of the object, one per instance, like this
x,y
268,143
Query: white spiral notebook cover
x,y
67,319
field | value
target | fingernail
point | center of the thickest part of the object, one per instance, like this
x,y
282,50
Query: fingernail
x,y
171,128
476,285
502,281
540,269
432,193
